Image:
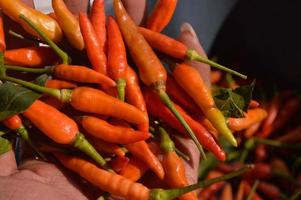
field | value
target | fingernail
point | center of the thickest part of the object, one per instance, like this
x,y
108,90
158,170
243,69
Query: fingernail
x,y
186,27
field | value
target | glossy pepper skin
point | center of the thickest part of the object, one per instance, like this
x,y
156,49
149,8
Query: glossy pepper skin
x,y
13,8
2,37
69,24
98,20
31,57
162,14
151,70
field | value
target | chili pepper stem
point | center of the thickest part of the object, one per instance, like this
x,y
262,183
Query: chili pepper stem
x,y
166,100
166,143
47,70
121,84
275,143
24,135
2,69
63,55
19,36
160,194
82,144
182,155
63,95
254,187
195,56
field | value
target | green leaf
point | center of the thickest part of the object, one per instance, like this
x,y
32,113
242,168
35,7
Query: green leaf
x,y
41,80
233,103
15,99
5,145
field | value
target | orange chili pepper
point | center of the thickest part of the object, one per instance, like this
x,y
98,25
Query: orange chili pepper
x,y
2,36
107,132
13,8
249,132
161,15
247,189
94,49
134,170
254,104
157,109
117,61
215,76
180,96
15,123
174,167
176,49
59,84
106,147
69,24
252,117
31,57
212,189
191,81
98,20
227,192
118,163
151,70
60,128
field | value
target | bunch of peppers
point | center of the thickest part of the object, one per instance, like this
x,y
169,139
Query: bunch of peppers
x,y
125,118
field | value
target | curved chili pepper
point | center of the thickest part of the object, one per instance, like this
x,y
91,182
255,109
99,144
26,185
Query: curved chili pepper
x,y
98,20
60,128
249,132
2,36
180,96
176,49
69,24
107,132
134,170
191,81
157,109
71,73
252,117
269,190
59,84
31,57
15,123
13,8
151,70
212,189
106,147
174,167
118,163
94,49
161,14
117,61
119,186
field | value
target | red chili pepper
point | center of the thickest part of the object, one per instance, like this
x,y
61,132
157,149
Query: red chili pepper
x,y
59,84
180,96
157,109
252,130
212,189
176,49
119,163
94,49
98,20
151,70
247,189
2,36
260,171
215,76
117,61
254,104
31,57
227,192
292,136
161,15
269,190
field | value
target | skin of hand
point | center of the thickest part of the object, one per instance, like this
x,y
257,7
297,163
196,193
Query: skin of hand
x,y
34,180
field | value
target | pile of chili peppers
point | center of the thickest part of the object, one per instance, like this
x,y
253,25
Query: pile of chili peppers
x,y
124,112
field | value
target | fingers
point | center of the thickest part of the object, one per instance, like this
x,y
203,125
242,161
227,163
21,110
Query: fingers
x,y
189,37
136,9
77,6
8,164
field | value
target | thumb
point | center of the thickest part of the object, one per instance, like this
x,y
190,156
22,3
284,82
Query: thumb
x,y
190,39
8,164
136,9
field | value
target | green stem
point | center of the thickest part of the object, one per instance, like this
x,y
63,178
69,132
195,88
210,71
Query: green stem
x,y
195,56
275,143
254,187
166,143
182,155
19,36
121,84
47,70
25,136
296,194
249,145
2,69
62,95
166,100
83,144
63,55
160,194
